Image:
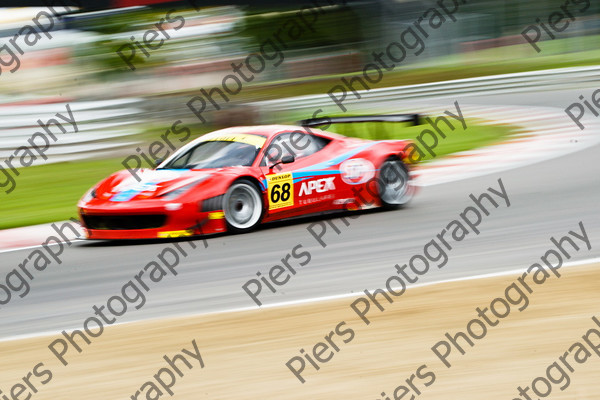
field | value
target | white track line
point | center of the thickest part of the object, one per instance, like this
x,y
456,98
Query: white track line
x,y
515,271
39,245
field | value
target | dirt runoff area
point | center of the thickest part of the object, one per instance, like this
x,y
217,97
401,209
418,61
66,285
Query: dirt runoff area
x,y
411,350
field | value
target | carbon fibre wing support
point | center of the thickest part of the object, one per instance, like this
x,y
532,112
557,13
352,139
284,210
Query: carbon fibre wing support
x,y
314,122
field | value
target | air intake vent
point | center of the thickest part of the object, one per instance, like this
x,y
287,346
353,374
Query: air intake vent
x,y
213,204
124,222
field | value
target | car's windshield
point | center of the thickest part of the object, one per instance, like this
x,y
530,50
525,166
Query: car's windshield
x,y
215,154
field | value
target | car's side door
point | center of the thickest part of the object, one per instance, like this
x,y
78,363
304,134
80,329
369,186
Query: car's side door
x,y
292,189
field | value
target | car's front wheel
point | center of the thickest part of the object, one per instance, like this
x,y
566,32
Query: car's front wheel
x,y
243,206
395,189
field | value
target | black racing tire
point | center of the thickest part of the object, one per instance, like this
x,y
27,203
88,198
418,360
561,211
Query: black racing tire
x,y
394,184
243,206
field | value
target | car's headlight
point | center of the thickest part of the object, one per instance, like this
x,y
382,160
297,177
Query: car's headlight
x,y
91,194
178,192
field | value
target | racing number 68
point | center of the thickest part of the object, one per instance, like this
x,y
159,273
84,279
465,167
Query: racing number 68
x,y
281,190
283,195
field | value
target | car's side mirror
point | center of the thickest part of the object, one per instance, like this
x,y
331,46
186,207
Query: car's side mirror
x,y
287,159
158,161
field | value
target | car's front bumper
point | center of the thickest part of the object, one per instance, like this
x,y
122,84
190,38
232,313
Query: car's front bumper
x,y
152,220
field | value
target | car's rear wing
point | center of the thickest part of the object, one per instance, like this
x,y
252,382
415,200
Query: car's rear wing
x,y
414,118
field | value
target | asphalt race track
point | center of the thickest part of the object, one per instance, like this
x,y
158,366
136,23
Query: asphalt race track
x,y
547,199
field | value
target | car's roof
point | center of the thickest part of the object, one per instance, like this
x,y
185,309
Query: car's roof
x,y
271,130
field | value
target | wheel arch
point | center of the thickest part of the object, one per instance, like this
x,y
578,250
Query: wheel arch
x,y
256,184
250,178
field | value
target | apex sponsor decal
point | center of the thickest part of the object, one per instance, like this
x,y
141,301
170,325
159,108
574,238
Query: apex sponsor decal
x,y
318,185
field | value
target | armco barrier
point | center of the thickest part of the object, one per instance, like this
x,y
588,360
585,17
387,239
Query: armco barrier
x,y
103,126
508,83
106,125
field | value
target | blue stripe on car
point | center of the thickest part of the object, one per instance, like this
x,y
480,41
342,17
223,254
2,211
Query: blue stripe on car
x,y
125,195
321,168
339,159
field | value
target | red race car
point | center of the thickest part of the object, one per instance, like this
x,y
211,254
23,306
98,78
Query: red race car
x,y
236,178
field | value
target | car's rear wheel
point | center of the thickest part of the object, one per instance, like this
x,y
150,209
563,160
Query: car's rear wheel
x,y
243,206
393,183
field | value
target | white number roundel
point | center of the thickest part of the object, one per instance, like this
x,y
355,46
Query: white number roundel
x,y
357,170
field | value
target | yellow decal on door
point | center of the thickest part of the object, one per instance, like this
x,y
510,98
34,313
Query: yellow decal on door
x,y
280,190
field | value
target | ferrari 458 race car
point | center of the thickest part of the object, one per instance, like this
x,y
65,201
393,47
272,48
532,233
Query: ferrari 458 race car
x,y
237,178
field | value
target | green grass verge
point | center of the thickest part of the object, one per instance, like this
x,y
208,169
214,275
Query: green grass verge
x,y
50,192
